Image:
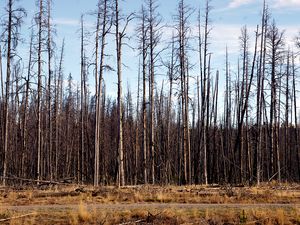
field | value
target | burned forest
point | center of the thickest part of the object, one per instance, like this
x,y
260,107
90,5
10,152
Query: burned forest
x,y
181,121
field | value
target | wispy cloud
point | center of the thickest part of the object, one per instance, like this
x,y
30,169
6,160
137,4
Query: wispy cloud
x,y
237,3
286,3
66,22
228,35
71,22
290,33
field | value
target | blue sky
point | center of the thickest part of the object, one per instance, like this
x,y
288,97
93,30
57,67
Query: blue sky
x,y
227,16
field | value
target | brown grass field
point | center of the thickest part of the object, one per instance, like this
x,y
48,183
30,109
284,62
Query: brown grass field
x,y
268,204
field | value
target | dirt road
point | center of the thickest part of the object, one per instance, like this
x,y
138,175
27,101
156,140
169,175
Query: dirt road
x,y
148,206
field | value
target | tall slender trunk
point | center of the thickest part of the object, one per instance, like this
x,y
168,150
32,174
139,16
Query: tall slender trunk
x,y
121,179
25,112
244,106
144,71
80,151
97,95
296,119
7,88
1,75
188,140
286,127
39,97
205,90
137,144
152,130
144,119
98,82
58,108
169,111
49,46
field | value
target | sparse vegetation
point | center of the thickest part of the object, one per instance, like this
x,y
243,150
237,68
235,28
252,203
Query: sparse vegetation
x,y
146,193
156,205
137,215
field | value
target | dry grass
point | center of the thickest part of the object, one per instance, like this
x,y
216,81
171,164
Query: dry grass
x,y
167,194
83,215
82,196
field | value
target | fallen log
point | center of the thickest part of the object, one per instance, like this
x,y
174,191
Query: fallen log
x,y
17,217
133,222
55,194
36,181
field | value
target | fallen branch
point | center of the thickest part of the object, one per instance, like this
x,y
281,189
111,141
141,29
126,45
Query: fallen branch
x,y
133,222
35,181
56,194
17,217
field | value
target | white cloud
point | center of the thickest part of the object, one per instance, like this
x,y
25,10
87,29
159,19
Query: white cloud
x,y
237,3
290,33
66,22
228,34
286,3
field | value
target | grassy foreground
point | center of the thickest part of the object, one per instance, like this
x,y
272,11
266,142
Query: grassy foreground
x,y
151,205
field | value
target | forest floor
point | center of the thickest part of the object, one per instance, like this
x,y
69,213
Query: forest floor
x,y
70,204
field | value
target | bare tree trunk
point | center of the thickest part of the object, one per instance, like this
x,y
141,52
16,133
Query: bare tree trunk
x,y
7,88
188,139
286,127
144,113
39,97
144,46
152,130
296,119
97,86
260,89
205,88
49,46
137,145
199,111
227,143
25,112
244,155
1,75
119,36
80,151
169,111
277,131
215,100
58,108
243,107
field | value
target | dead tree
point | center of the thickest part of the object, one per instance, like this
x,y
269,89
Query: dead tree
x,y
25,109
119,36
58,110
296,133
1,75
260,93
102,30
204,87
137,144
154,29
275,44
143,47
243,106
49,95
82,108
97,99
182,28
11,25
171,76
40,25
244,151
287,110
